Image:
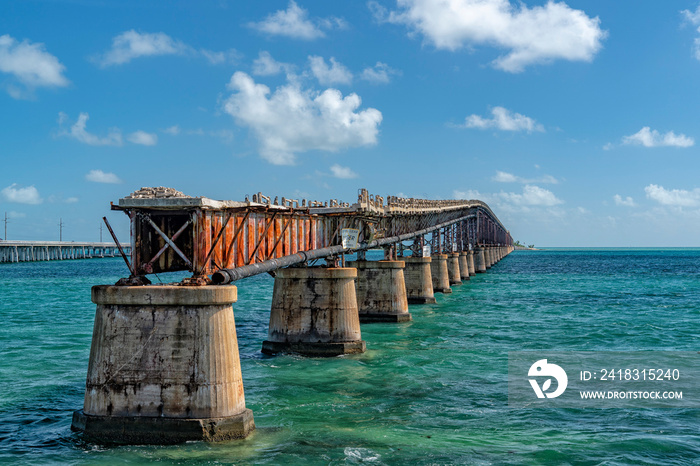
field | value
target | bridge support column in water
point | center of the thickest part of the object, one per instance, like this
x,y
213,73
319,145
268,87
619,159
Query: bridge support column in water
x,y
480,260
470,263
314,312
453,270
441,278
488,256
164,367
464,265
419,281
381,291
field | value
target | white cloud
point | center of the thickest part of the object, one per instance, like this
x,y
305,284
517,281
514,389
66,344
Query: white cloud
x,y
539,34
673,197
143,138
380,73
531,196
131,44
28,195
98,176
292,120
31,65
174,130
78,132
694,18
504,177
626,201
342,172
294,22
504,120
329,75
652,138
265,65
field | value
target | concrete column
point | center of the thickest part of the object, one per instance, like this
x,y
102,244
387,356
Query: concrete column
x,y
464,265
453,270
479,260
441,278
470,263
488,257
164,366
419,280
314,312
381,291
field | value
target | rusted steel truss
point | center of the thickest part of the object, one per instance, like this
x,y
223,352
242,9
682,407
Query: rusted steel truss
x,y
205,236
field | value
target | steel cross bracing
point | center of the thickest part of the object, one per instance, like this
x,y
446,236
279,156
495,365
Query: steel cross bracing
x,y
232,240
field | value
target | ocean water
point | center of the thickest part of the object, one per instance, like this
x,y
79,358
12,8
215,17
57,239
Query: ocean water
x,y
431,391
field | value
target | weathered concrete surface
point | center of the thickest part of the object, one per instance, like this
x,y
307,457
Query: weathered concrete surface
x,y
419,280
470,263
441,278
488,257
453,270
314,312
479,260
381,291
464,265
164,366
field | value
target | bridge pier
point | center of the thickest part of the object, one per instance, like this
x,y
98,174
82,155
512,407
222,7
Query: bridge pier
x,y
488,257
164,367
480,260
314,312
381,291
470,263
453,270
440,274
419,280
464,265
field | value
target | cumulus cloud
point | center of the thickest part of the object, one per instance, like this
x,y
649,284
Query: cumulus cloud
x,y
293,120
673,197
539,34
30,65
265,65
531,196
295,23
379,74
693,17
342,172
143,138
504,120
504,177
132,44
78,132
98,176
626,201
336,73
15,193
652,138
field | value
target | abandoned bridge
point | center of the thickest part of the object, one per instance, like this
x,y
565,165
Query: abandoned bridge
x,y
164,364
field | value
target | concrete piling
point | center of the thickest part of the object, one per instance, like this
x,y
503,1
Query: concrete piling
x,y
470,263
164,367
381,291
479,260
440,274
453,270
314,312
419,280
464,265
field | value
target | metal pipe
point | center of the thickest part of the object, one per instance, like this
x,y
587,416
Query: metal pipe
x,y
225,276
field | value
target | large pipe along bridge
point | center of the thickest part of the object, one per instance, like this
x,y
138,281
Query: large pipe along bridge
x,y
164,365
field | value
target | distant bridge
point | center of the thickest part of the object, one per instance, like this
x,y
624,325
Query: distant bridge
x,y
231,240
31,251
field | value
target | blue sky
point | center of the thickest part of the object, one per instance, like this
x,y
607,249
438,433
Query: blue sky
x,y
576,121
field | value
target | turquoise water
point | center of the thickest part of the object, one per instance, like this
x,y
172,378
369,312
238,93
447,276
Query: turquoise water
x,y
432,391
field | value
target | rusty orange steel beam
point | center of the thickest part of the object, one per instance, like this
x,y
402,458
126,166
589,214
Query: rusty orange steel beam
x,y
233,234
